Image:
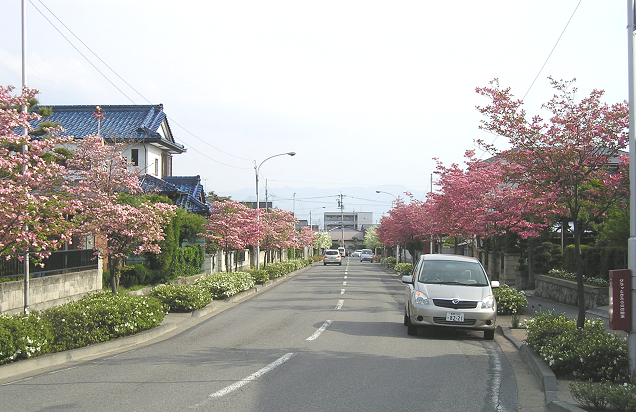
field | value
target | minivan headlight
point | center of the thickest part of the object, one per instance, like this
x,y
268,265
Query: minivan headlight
x,y
420,298
488,302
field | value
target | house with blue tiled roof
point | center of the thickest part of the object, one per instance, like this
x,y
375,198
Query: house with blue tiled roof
x,y
186,192
144,128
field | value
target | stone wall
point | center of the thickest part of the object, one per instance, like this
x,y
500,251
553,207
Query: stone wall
x,y
48,291
565,291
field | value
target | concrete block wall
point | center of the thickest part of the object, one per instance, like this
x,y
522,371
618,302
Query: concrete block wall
x,y
48,291
565,291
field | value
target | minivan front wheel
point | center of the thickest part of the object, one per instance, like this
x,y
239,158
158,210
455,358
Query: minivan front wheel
x,y
412,329
489,334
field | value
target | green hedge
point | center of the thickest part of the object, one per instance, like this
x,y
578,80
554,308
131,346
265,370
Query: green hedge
x,y
260,276
404,268
223,285
509,300
389,262
24,336
604,396
182,297
101,317
589,353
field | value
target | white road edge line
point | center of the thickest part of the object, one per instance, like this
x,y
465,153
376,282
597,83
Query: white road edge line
x,y
340,304
250,378
318,332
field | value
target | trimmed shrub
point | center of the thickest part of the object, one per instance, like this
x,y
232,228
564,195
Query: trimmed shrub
x,y
259,276
404,268
135,274
102,316
182,297
510,301
589,353
567,275
224,285
24,336
604,396
389,262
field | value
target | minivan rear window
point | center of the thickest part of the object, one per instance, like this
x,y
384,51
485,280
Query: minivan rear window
x,y
332,252
452,273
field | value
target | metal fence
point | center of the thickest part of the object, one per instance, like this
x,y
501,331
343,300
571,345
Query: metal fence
x,y
59,262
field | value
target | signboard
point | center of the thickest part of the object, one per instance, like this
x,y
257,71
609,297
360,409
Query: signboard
x,y
620,300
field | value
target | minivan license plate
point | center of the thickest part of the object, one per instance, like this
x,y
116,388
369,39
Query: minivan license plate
x,y
454,316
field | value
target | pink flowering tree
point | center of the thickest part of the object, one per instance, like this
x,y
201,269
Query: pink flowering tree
x,y
570,152
231,226
35,214
278,232
304,238
100,180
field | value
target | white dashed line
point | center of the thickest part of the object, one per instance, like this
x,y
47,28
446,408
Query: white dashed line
x,y
345,283
250,378
314,336
340,304
343,291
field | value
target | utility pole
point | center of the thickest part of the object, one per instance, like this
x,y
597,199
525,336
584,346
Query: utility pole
x,y
340,201
25,149
632,148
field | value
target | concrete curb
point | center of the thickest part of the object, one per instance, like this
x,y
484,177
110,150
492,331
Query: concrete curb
x,y
548,380
83,353
25,367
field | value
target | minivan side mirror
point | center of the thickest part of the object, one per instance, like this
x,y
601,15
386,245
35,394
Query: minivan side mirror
x,y
406,279
494,284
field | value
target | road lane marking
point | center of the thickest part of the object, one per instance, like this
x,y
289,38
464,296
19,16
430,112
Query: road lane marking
x,y
343,291
340,304
345,283
250,378
318,332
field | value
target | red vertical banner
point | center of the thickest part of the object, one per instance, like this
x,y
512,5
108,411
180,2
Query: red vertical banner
x,y
620,300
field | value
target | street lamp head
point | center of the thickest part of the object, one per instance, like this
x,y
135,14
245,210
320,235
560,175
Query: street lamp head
x,y
291,154
378,191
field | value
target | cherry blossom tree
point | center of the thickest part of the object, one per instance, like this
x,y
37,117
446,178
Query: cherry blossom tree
x,y
231,226
35,215
568,154
97,177
278,231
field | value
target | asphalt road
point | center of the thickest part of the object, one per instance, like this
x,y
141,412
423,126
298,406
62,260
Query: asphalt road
x,y
331,339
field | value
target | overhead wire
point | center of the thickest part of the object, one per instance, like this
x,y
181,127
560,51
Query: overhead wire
x,y
548,57
125,81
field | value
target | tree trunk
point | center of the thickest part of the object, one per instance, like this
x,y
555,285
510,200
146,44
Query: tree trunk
x,y
530,283
579,273
114,267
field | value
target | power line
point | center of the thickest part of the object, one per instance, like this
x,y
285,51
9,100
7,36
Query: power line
x,y
559,38
124,81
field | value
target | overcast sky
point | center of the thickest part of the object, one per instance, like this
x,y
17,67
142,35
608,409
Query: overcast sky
x,y
365,92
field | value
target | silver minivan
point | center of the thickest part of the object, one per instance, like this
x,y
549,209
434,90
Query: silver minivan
x,y
450,291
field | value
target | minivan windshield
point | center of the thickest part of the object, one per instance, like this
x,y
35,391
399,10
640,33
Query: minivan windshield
x,y
450,272
366,251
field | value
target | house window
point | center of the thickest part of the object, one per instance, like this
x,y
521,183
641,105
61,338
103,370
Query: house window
x,y
134,158
156,167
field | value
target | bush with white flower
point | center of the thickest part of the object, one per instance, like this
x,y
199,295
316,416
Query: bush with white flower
x,y
224,285
101,317
24,336
510,301
182,297
589,353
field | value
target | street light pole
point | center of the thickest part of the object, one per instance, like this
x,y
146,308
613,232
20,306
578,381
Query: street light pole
x,y
258,210
25,149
